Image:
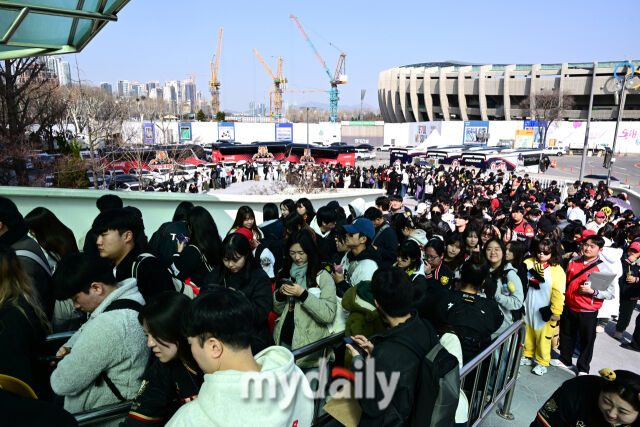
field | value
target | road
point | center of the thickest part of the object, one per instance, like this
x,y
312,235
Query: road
x,y
626,168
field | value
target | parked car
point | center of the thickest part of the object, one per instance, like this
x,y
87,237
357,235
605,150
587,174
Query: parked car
x,y
128,186
556,150
122,179
147,176
385,147
188,168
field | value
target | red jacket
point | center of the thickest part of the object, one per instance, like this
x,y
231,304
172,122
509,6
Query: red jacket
x,y
573,298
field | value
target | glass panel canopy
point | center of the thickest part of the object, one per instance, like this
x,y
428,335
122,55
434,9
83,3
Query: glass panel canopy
x,y
49,27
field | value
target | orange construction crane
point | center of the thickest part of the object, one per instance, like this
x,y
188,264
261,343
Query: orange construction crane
x,y
214,82
275,107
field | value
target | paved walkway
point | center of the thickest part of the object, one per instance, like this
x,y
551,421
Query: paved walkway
x,y
532,391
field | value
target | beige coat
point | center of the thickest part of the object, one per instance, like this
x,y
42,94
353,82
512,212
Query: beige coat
x,y
312,318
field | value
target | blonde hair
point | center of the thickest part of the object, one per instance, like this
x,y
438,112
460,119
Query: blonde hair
x,y
15,283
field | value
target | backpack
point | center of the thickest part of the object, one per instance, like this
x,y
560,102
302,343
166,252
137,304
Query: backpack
x,y
437,387
180,286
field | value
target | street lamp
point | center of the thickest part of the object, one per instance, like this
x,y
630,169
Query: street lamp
x,y
624,82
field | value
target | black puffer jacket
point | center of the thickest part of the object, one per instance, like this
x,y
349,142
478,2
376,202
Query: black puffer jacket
x,y
256,285
391,357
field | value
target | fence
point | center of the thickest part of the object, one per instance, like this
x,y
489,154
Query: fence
x,y
494,373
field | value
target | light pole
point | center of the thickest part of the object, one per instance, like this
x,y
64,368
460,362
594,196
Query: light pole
x,y
585,147
307,128
623,81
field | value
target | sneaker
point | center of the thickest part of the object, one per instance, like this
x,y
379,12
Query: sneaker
x,y
582,373
558,363
599,329
539,370
617,335
525,361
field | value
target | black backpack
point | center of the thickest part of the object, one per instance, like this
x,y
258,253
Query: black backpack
x,y
437,387
119,304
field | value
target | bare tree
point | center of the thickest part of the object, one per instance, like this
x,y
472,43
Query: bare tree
x,y
29,107
98,116
547,107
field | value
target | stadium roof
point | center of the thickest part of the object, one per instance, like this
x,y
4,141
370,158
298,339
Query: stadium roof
x,y
49,27
521,67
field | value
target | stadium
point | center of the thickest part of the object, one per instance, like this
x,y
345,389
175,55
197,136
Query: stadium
x,y
437,91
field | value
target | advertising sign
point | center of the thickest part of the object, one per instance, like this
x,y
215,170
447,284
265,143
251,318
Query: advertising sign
x,y
184,131
421,131
148,133
226,131
263,154
525,138
535,125
476,132
284,132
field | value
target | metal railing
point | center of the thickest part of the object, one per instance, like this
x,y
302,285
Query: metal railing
x,y
493,381
494,373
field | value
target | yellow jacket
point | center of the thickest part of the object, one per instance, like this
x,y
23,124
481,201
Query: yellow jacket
x,y
558,286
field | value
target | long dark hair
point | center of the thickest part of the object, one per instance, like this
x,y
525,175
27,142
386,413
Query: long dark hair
x,y
290,205
314,264
311,213
459,259
243,213
517,249
236,246
204,234
162,317
55,237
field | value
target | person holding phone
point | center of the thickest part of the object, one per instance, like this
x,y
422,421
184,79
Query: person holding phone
x,y
201,253
305,301
393,295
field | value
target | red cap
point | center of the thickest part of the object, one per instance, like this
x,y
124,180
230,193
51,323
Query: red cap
x,y
635,246
586,234
246,233
601,214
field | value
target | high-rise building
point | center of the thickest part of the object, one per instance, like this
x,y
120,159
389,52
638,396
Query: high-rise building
x,y
64,73
152,85
189,93
171,95
156,93
123,87
137,89
106,87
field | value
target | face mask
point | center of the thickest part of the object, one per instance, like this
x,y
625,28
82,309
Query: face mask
x,y
436,217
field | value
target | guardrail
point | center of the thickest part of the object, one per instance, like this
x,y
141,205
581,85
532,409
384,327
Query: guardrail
x,y
494,373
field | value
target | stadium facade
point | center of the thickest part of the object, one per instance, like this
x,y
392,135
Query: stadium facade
x,y
459,91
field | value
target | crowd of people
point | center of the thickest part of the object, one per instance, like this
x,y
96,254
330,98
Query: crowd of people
x,y
177,322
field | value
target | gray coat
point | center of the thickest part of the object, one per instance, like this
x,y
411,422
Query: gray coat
x,y
113,342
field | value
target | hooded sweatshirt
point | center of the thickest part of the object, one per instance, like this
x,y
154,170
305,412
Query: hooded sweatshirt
x,y
223,401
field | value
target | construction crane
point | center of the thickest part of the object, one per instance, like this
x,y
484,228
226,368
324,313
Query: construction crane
x,y
338,77
275,107
214,82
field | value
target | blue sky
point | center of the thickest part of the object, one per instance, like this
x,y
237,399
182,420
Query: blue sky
x,y
164,40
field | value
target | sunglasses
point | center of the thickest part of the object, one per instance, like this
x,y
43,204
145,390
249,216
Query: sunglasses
x,y
541,252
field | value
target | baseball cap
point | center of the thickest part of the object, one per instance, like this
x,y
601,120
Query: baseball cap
x,y
421,208
363,226
586,234
635,246
601,214
246,233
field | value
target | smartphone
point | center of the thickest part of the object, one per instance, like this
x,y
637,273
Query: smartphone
x,y
48,358
356,346
182,238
